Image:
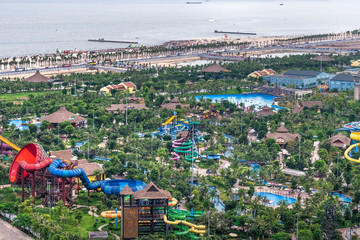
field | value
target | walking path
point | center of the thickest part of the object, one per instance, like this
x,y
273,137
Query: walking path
x,y
224,164
9,232
345,232
101,227
315,155
89,212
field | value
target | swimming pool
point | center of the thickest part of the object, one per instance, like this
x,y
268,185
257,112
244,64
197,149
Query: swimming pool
x,y
18,124
80,144
275,198
342,198
255,167
258,99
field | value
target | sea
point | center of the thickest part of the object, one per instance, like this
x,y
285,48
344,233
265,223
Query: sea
x,y
42,26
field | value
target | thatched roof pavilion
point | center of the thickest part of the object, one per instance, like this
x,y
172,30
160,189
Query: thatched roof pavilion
x,y
63,115
214,69
38,77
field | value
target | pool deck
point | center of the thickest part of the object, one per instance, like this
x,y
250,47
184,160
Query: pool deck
x,y
9,232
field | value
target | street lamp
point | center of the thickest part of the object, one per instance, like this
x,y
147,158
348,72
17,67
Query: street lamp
x,y
58,133
297,226
88,144
93,118
137,161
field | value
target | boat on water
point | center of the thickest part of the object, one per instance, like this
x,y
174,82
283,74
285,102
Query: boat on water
x,y
281,4
193,2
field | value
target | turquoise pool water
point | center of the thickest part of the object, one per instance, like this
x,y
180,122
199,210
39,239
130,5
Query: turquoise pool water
x,y
18,124
275,198
80,144
258,99
342,198
255,167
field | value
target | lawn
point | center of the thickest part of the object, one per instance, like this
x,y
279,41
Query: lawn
x,y
70,225
16,96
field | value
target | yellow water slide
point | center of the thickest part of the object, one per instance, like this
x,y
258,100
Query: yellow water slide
x,y
111,214
354,136
9,143
200,229
169,120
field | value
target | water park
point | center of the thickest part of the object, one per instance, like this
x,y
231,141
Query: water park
x,y
144,208
182,161
185,145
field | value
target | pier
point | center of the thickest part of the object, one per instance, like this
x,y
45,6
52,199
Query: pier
x,y
111,41
243,33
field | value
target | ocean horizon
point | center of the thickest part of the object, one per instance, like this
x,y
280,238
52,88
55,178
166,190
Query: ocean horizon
x,y
42,26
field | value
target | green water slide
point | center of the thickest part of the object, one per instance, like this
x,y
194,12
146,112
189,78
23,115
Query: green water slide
x,y
184,231
186,148
181,230
182,214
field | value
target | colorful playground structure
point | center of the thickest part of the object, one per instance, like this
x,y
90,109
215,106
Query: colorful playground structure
x,y
211,113
354,128
145,209
172,126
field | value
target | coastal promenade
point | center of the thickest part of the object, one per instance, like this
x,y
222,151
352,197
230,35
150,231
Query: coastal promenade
x,y
172,57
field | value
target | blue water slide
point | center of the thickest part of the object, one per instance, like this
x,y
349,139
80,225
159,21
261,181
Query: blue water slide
x,y
77,172
109,187
196,150
114,187
211,156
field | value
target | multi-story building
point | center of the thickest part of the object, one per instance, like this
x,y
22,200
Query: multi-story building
x,y
298,79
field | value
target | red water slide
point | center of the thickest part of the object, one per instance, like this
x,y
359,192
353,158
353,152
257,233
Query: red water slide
x,y
30,158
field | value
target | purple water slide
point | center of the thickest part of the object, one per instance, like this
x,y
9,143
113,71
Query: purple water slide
x,y
4,148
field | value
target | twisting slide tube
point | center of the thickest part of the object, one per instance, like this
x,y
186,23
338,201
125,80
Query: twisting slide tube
x,y
30,158
175,144
77,172
354,136
193,228
6,146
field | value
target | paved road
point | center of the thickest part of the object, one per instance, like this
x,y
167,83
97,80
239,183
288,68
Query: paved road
x,y
315,155
7,73
9,232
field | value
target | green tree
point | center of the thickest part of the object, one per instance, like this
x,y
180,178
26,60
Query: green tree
x,y
69,129
22,221
305,234
281,236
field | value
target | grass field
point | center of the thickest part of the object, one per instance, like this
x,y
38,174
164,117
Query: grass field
x,y
16,96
